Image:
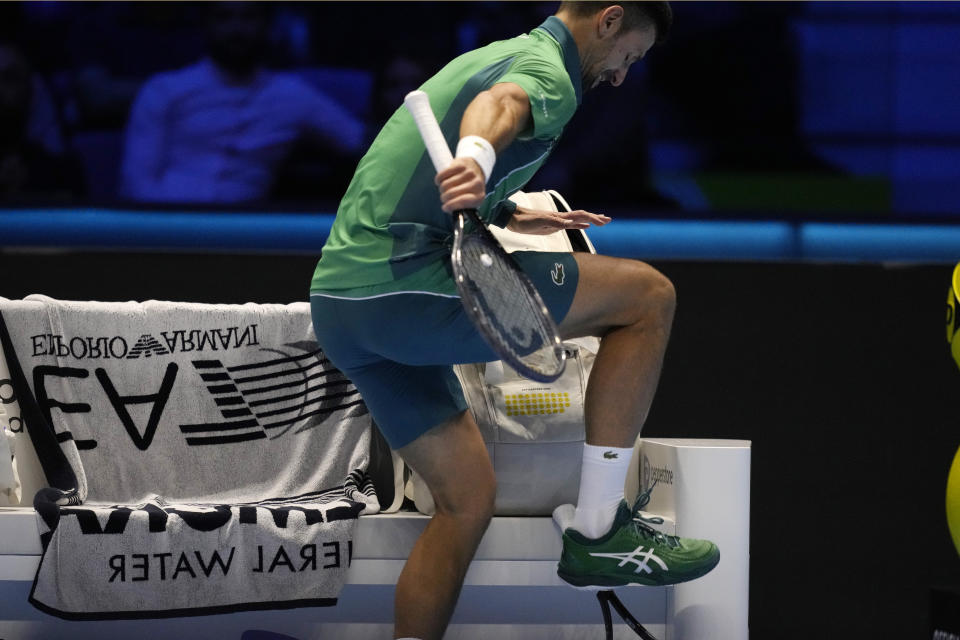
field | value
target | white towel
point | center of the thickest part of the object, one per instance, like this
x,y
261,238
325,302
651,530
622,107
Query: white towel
x,y
196,434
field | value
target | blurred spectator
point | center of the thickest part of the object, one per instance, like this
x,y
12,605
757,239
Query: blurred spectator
x,y
110,48
217,131
28,171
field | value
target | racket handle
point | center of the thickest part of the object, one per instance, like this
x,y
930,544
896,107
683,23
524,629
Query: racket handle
x,y
418,103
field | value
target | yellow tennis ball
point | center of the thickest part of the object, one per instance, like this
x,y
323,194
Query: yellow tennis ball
x,y
953,500
953,315
956,280
953,337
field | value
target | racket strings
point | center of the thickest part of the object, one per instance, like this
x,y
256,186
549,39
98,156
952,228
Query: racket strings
x,y
516,318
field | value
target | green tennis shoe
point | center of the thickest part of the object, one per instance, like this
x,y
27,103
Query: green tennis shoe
x,y
634,553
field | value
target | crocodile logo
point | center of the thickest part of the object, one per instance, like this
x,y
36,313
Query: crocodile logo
x,y
558,274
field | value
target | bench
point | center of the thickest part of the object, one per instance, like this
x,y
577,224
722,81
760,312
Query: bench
x,y
511,590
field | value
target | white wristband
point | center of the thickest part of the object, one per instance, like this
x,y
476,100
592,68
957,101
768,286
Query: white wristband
x,y
480,150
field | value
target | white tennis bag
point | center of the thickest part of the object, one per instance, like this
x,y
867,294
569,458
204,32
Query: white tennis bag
x,y
534,432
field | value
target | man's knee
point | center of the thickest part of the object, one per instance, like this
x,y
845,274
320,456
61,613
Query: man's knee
x,y
665,294
653,293
473,503
618,292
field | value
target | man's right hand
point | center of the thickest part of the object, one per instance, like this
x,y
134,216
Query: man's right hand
x,y
497,115
462,185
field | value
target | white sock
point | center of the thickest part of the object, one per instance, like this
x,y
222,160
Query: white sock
x,y
602,477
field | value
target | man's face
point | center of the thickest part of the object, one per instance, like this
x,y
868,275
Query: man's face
x,y
238,34
616,54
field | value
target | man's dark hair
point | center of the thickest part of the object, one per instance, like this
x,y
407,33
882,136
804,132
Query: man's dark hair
x,y
636,15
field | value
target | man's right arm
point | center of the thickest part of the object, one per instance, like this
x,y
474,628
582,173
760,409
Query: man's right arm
x,y
497,115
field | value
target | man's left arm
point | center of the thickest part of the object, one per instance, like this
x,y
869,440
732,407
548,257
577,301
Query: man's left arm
x,y
542,223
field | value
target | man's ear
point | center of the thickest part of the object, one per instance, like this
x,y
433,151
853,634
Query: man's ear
x,y
609,21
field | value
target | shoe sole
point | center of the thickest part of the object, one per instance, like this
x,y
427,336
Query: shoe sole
x,y
604,583
599,583
594,588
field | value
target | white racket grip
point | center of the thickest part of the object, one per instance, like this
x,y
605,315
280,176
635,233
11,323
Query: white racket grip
x,y
418,103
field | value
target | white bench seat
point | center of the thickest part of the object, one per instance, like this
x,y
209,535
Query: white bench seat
x,y
511,591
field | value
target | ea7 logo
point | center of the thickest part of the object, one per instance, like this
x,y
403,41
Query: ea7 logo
x,y
121,403
292,387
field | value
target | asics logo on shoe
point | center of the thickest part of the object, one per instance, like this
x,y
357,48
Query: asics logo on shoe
x,y
610,455
637,557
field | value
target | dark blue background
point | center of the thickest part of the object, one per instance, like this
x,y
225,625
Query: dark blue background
x,y
831,110
795,114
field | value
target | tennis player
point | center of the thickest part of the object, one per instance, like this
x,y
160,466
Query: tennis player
x,y
386,311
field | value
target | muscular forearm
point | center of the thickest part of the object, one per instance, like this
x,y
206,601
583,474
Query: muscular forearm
x,y
497,115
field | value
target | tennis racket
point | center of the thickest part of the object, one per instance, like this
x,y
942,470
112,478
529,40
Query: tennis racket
x,y
497,295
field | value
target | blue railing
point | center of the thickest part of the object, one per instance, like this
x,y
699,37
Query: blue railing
x,y
100,228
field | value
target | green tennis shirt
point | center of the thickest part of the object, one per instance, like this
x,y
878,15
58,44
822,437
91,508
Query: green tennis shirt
x,y
390,233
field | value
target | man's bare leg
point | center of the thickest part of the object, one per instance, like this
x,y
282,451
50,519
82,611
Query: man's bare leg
x,y
453,461
630,305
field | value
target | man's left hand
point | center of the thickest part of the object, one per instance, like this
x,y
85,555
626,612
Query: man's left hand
x,y
543,223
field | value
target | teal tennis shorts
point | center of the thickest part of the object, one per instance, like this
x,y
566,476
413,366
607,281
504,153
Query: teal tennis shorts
x,y
399,348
